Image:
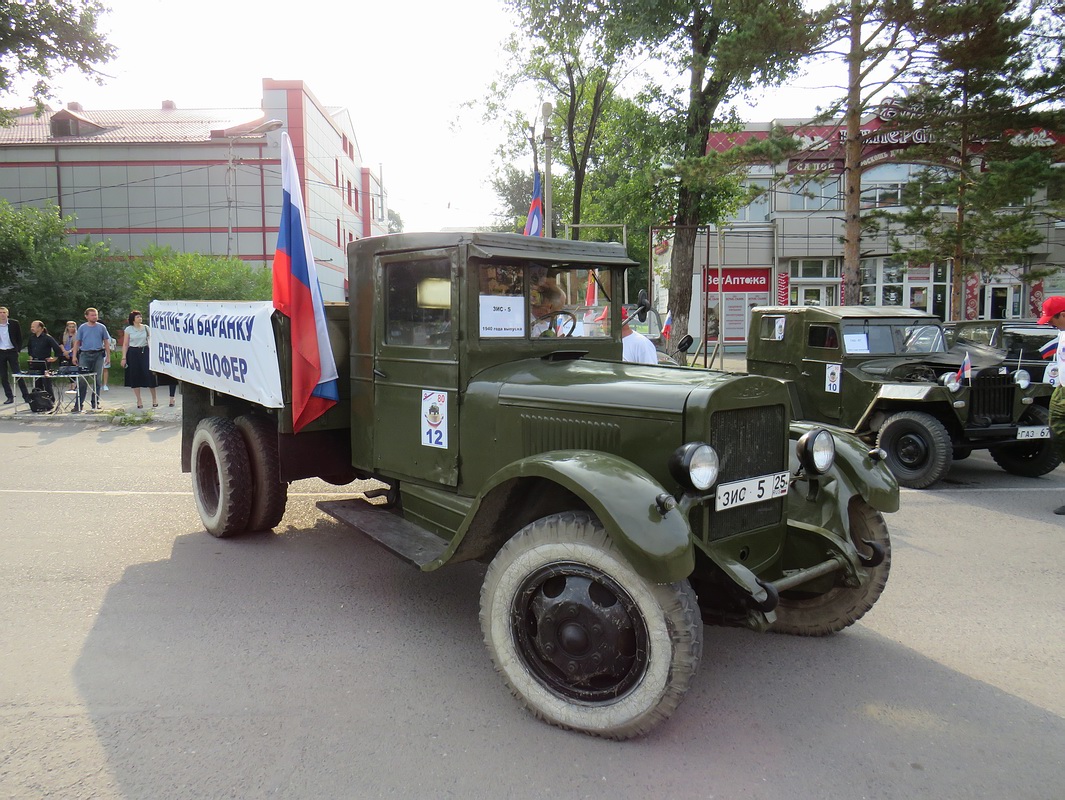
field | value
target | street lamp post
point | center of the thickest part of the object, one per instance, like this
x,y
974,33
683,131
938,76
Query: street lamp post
x,y
546,111
231,172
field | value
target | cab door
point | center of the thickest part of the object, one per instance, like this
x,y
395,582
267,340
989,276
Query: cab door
x,y
822,372
416,368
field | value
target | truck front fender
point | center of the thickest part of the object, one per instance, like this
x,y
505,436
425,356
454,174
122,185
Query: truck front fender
x,y
854,472
623,497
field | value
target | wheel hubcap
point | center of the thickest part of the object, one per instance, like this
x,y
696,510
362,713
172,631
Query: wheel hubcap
x,y
912,450
579,633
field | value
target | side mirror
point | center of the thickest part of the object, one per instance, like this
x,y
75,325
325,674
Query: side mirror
x,y
685,343
643,305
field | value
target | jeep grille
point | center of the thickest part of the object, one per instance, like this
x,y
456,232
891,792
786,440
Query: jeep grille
x,y
991,400
750,442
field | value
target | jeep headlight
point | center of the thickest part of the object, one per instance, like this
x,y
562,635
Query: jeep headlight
x,y
950,380
1022,378
816,451
695,465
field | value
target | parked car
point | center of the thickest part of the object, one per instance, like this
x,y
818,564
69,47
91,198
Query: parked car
x,y
1015,341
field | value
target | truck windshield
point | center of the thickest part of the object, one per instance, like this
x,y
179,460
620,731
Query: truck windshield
x,y
540,301
889,338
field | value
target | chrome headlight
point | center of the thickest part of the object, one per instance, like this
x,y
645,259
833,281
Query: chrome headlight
x,y
1022,378
950,380
695,465
816,451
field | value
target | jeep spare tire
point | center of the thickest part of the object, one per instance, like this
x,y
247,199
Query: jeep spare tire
x,y
918,448
221,477
582,640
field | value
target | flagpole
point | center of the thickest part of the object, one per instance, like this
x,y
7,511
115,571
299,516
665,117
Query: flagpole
x,y
546,111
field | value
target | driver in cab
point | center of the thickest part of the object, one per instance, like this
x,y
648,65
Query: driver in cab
x,y
546,300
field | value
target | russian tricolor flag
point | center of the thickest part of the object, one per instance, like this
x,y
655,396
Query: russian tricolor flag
x,y
667,326
965,370
1050,349
534,224
297,295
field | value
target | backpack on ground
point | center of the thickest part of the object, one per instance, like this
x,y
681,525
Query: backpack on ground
x,y
40,401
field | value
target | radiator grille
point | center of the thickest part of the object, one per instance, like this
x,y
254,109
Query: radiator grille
x,y
543,433
991,399
750,442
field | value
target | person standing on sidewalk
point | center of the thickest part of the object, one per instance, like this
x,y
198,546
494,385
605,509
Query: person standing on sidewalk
x,y
10,344
91,346
1054,314
135,358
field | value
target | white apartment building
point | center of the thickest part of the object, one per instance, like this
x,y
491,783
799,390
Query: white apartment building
x,y
202,180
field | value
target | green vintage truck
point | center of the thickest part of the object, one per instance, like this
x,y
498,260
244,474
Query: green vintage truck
x,y
618,506
887,375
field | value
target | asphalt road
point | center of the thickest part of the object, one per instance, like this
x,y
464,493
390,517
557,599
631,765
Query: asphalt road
x,y
142,658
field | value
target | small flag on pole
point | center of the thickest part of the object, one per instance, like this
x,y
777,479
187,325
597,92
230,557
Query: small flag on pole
x,y
1050,349
534,223
298,296
591,293
667,326
965,370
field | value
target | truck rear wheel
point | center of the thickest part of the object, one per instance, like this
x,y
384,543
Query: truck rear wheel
x,y
220,477
1032,458
918,448
582,640
268,494
806,614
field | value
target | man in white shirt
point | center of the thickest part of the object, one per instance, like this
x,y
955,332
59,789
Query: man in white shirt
x,y
635,347
1054,314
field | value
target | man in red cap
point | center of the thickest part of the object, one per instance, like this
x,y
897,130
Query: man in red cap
x,y
1054,314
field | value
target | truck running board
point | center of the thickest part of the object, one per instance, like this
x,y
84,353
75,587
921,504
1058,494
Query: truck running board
x,y
408,541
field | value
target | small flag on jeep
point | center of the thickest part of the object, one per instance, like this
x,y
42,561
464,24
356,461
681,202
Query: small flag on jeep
x,y
965,370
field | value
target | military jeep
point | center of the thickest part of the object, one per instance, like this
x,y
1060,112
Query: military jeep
x,y
618,506
887,375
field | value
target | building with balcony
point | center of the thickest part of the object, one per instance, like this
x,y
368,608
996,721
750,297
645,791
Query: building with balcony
x,y
201,180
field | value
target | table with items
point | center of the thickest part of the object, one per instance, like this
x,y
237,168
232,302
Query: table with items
x,y
61,389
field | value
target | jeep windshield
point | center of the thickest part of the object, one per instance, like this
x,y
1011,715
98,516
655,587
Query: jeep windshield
x,y
543,301
892,338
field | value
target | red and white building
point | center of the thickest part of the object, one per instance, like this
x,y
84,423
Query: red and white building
x,y
786,247
200,180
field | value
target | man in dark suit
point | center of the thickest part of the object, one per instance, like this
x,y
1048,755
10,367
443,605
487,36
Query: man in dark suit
x,y
10,344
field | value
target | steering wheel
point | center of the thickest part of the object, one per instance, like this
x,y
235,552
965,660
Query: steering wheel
x,y
551,315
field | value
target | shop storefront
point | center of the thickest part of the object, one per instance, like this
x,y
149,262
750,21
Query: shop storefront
x,y
745,288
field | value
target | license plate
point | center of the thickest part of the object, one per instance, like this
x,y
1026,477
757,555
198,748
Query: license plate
x,y
751,490
1033,432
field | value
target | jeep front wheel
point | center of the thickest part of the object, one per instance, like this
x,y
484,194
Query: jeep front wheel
x,y
1032,458
221,483
581,639
808,613
918,448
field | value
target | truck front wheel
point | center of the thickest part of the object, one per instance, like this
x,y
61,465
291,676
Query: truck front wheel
x,y
1032,458
581,639
918,448
806,613
220,477
269,495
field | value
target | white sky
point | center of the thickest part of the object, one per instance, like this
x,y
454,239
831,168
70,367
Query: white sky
x,y
403,69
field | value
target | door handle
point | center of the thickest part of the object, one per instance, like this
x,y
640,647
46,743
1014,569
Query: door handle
x,y
377,373
805,374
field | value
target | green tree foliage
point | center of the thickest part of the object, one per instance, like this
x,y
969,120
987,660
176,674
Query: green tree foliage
x,y
43,276
395,222
974,205
42,38
169,275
